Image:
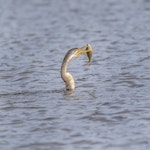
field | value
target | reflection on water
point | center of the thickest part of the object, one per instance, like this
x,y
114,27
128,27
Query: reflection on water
x,y
109,108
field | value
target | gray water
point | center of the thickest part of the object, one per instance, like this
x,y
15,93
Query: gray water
x,y
110,108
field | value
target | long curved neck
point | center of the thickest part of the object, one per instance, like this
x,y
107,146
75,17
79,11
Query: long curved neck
x,y
66,76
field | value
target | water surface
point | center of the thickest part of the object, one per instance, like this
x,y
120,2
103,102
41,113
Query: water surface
x,y
109,108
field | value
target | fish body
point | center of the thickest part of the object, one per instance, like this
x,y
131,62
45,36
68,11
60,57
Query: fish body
x,y
89,52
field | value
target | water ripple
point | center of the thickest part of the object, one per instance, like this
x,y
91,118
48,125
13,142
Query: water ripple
x,y
109,108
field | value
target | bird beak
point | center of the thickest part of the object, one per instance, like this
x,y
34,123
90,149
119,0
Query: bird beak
x,y
82,51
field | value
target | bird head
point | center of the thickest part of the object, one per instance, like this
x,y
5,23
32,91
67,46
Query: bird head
x,y
77,52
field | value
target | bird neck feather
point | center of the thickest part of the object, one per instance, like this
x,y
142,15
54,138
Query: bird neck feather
x,y
67,77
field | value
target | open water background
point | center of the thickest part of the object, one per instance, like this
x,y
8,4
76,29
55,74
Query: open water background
x,y
110,108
